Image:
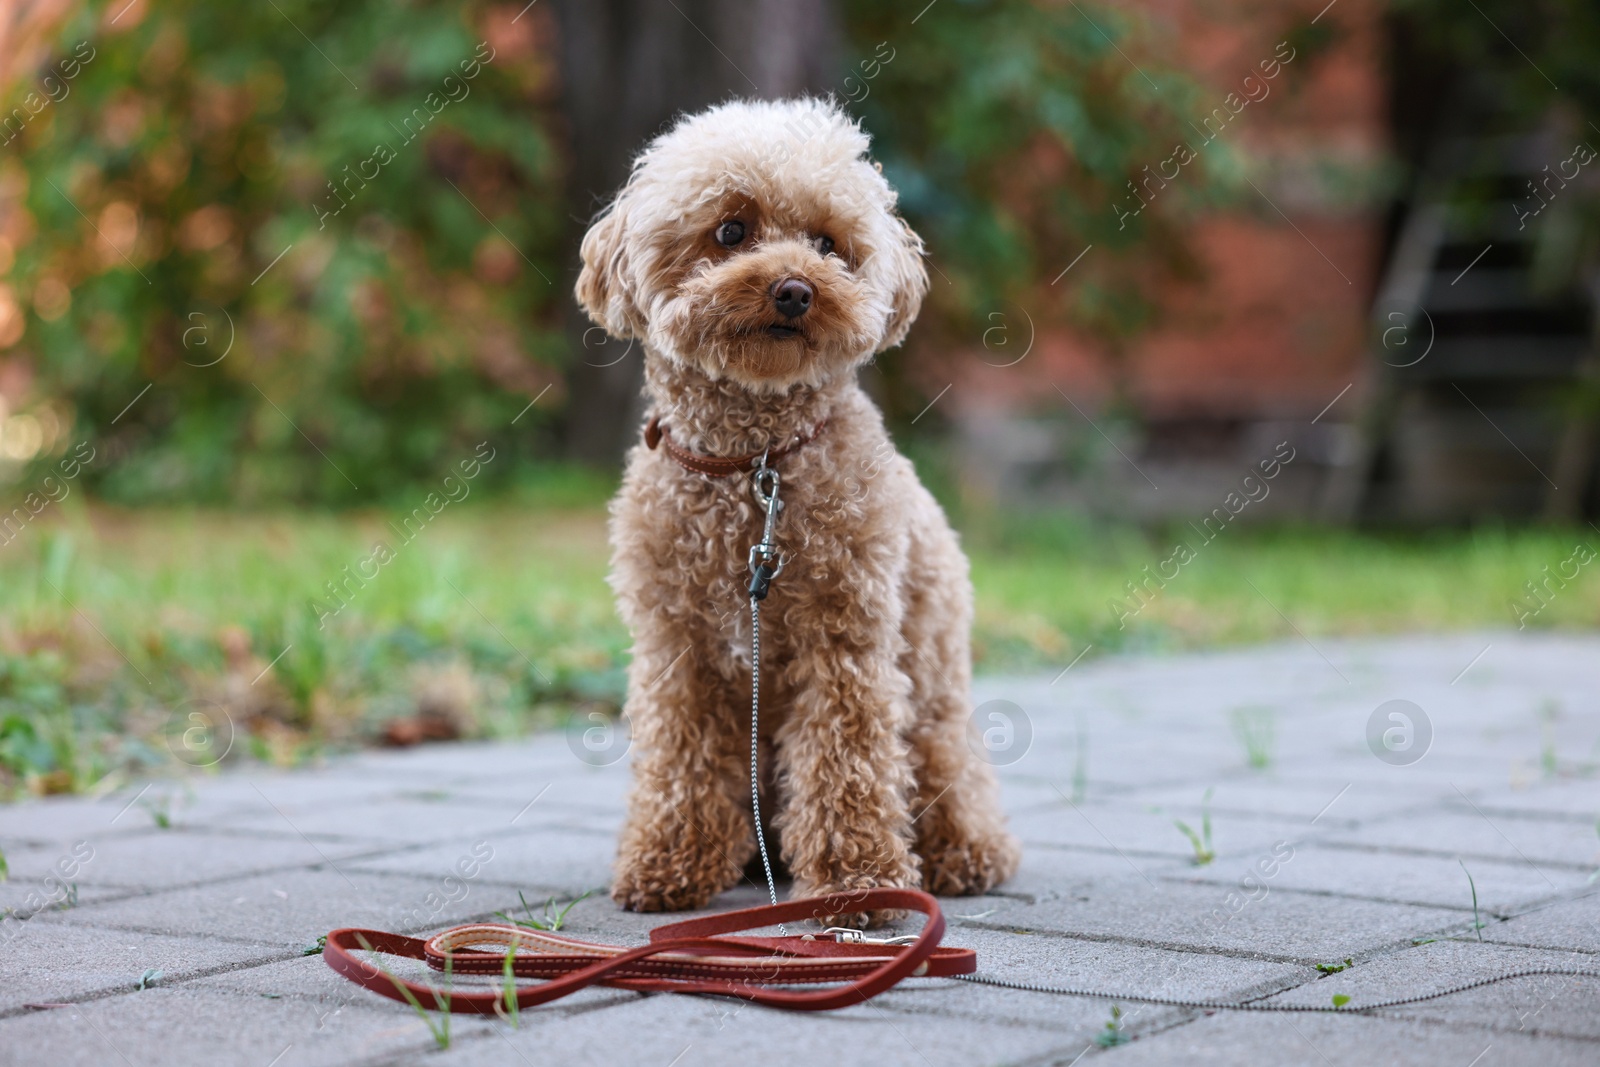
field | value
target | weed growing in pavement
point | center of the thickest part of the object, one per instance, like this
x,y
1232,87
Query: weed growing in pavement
x,y
1477,924
439,1030
1201,842
1113,1034
511,1012
552,920
1256,729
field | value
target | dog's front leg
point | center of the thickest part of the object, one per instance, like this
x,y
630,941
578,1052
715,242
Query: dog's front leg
x,y
687,835
845,770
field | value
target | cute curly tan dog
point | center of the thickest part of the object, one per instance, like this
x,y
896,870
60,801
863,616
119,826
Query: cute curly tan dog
x,y
756,254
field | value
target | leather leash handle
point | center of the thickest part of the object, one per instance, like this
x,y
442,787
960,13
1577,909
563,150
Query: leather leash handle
x,y
912,960
693,936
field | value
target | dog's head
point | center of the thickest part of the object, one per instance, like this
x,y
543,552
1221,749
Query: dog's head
x,y
755,242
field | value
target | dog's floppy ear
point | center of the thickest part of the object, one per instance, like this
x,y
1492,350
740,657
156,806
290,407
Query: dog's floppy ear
x,y
907,279
604,285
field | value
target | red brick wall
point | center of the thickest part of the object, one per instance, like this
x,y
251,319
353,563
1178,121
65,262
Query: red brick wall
x,y
1278,324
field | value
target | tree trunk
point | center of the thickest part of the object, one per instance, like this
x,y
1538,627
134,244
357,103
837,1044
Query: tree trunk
x,y
630,66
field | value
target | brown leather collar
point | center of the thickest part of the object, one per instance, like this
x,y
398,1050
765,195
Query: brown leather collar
x,y
720,466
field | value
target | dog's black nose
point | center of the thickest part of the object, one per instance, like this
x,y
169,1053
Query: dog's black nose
x,y
792,297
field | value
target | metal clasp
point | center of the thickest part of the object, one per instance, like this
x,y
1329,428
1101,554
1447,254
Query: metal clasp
x,y
844,935
765,561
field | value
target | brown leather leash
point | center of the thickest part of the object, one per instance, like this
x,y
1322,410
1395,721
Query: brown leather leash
x,y
657,435
693,956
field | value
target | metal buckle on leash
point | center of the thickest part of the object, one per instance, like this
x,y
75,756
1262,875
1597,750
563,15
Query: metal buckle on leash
x,y
844,935
766,562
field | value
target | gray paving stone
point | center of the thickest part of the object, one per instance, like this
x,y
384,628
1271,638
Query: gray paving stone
x,y
1143,829
288,909
1331,801
1561,1006
1573,799
52,963
1429,881
657,1031
45,879
413,818
1567,924
572,860
51,821
163,858
1461,831
1111,903
178,1025
1202,916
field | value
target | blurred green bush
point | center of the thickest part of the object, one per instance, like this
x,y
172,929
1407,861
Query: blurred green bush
x,y
325,233
330,239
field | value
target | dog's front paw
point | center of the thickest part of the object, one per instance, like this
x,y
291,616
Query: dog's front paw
x,y
658,894
841,891
967,867
641,886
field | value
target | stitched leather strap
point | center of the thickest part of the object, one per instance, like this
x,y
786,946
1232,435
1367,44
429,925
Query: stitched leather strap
x,y
655,434
684,957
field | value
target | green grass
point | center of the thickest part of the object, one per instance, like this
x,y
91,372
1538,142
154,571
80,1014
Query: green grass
x,y
123,633
1045,587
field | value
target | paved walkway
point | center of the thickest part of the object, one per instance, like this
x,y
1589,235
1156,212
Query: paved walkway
x,y
1327,853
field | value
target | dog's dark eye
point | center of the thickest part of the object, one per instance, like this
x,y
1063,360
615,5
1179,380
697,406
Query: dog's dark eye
x,y
730,233
824,245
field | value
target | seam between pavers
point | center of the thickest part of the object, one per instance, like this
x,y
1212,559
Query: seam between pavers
x,y
1185,1016
1338,895
389,1059
1189,1017
329,837
166,982
139,892
1523,814
385,852
1136,942
1571,896
153,931
1443,854
968,1015
1383,948
1261,990
1131,805
283,956
1395,1015
409,931
1181,1017
496,883
1542,948
1171,858
1192,810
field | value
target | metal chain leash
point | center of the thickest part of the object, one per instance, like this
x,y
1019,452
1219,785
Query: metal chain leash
x,y
766,563
1218,1005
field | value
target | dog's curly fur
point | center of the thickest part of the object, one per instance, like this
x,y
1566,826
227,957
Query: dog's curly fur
x,y
865,654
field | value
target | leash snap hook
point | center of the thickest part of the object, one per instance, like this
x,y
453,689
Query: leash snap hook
x,y
765,561
845,935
